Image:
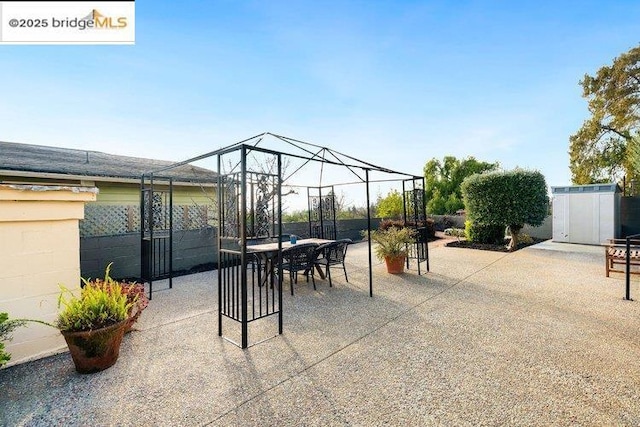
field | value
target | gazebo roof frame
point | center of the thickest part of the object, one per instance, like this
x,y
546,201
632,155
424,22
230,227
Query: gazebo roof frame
x,y
255,141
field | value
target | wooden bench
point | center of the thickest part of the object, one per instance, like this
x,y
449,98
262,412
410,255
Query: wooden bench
x,y
616,254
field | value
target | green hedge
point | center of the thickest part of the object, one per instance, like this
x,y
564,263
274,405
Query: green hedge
x,y
484,233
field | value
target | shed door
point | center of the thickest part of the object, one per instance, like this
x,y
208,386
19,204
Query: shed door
x,y
560,230
583,218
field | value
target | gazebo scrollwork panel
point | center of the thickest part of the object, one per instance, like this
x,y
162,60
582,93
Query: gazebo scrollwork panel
x,y
322,213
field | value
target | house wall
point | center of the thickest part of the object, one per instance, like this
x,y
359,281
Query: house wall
x,y
127,193
39,250
115,193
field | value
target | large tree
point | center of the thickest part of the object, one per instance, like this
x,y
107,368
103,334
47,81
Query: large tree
x,y
390,206
443,180
599,151
634,153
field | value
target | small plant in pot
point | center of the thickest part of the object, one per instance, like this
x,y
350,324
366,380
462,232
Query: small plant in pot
x,y
93,325
391,246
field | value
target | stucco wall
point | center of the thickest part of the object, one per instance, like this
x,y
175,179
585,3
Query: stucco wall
x,y
543,231
39,249
116,193
126,193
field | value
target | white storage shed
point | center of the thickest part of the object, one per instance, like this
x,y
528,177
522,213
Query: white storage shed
x,y
587,214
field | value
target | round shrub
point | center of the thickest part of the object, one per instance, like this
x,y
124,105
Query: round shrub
x,y
513,198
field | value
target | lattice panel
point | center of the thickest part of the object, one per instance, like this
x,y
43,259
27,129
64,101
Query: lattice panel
x,y
191,217
105,220
112,220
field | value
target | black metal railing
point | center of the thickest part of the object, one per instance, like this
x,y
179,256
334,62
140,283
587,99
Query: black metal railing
x,y
261,286
156,232
415,216
628,266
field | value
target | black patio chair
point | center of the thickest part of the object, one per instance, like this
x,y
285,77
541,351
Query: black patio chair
x,y
298,258
333,253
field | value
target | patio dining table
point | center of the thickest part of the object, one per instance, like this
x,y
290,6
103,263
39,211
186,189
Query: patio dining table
x,y
268,251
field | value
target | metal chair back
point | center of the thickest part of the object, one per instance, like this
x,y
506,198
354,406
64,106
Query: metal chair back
x,y
336,252
298,257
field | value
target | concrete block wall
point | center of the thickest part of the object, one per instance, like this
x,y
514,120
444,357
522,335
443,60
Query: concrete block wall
x,y
195,249
39,250
123,250
192,249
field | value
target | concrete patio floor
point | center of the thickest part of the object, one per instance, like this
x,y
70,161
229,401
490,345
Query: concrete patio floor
x,y
537,337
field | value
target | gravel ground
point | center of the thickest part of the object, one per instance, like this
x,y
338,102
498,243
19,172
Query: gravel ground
x,y
536,337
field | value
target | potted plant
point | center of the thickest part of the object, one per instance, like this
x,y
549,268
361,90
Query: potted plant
x,y
391,246
92,322
93,325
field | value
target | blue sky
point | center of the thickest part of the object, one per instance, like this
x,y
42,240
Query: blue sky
x,y
392,82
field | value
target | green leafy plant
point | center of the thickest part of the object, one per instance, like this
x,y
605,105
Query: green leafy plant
x,y
134,292
428,224
484,233
101,303
390,206
7,326
455,232
391,242
443,180
598,151
96,307
525,239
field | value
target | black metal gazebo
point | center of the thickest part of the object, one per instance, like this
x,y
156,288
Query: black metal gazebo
x,y
250,183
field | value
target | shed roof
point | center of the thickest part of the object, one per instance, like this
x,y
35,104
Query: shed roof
x,y
609,187
91,164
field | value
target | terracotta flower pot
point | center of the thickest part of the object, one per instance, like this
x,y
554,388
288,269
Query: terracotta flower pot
x,y
395,265
97,350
